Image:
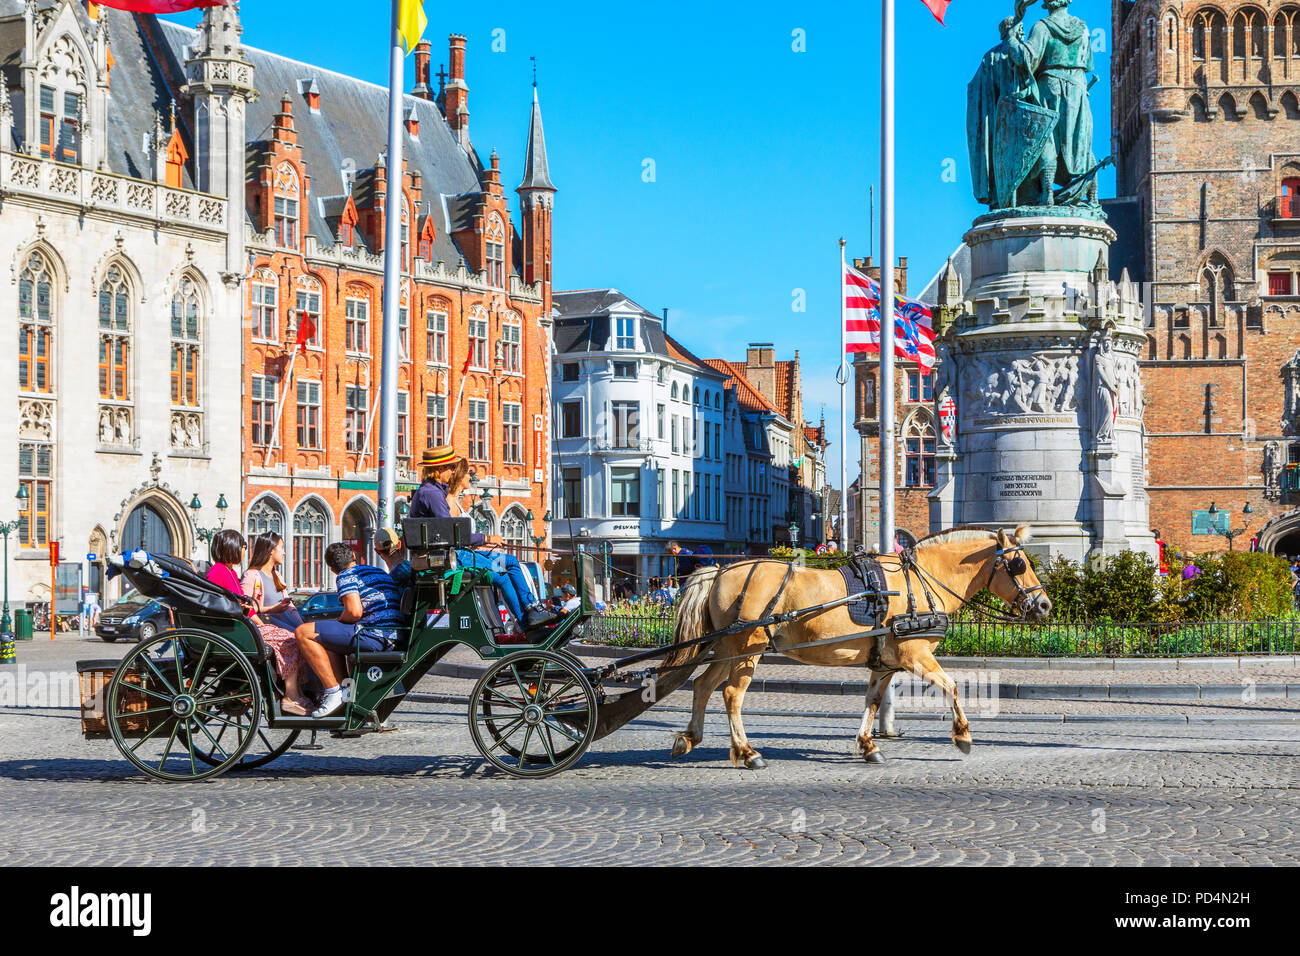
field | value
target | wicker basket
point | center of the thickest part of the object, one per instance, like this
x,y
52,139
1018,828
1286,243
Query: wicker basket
x,y
95,678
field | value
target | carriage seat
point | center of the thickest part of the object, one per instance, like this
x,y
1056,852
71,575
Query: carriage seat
x,y
380,657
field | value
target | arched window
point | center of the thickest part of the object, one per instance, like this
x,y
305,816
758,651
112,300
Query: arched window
x,y
674,391
309,524
919,449
495,250
114,336
1289,201
60,101
696,396
307,303
406,235
514,531
484,520
1217,287
357,320
36,326
286,192
185,345
265,516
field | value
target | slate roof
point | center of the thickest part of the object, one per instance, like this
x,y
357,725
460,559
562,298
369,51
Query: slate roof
x,y
149,56
537,172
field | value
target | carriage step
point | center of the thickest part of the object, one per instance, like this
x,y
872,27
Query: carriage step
x,y
387,727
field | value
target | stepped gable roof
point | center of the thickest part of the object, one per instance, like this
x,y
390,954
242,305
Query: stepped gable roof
x,y
749,397
352,124
816,436
785,389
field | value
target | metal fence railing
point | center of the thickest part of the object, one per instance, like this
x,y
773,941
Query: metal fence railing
x,y
641,627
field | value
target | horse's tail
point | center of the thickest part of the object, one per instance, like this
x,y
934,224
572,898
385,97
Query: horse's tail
x,y
693,613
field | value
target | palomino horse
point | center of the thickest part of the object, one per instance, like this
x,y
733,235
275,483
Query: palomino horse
x,y
954,566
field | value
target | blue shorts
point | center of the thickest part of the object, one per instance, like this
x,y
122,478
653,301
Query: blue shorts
x,y
343,639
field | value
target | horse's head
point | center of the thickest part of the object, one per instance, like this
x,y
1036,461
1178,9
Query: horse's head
x,y
1013,578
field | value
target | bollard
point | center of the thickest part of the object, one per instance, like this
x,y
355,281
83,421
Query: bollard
x,y
7,655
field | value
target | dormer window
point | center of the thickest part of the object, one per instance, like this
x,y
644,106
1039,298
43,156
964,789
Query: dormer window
x,y
346,234
625,333
60,125
495,251
286,206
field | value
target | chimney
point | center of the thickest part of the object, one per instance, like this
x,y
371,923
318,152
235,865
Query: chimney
x,y
283,130
311,91
421,88
760,368
455,95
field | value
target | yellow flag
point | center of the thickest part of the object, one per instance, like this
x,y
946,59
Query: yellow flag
x,y
411,22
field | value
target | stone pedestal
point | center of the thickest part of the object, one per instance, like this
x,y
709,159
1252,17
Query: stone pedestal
x,y
1042,363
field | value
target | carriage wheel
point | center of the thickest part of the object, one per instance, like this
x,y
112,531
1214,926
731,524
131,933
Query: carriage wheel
x,y
172,716
533,713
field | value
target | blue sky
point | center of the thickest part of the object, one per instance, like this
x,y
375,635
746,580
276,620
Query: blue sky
x,y
762,155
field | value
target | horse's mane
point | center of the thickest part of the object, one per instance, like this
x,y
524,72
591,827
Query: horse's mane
x,y
967,533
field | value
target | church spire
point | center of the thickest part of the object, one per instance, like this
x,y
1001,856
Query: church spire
x,y
537,174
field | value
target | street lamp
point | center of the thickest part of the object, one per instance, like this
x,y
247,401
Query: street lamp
x,y
794,534
1229,533
7,528
207,534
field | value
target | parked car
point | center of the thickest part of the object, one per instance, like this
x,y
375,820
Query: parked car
x,y
318,605
134,616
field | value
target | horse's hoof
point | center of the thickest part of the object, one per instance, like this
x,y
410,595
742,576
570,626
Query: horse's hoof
x,y
755,763
875,757
963,746
681,746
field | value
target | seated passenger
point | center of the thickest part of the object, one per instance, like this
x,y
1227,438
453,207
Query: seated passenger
x,y
228,549
264,568
571,600
389,548
443,472
372,620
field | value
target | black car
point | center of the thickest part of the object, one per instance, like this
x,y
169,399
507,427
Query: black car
x,y
134,616
319,606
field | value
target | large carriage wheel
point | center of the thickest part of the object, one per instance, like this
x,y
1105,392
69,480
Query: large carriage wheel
x,y
165,713
533,713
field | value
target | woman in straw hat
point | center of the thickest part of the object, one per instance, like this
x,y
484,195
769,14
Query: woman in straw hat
x,y
443,473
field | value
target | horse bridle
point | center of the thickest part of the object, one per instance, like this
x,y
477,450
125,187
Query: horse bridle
x,y
1015,566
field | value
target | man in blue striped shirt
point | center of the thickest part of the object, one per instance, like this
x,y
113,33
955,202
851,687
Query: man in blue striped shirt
x,y
372,620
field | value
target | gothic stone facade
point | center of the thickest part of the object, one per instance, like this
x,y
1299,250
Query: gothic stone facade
x,y
122,292
1206,127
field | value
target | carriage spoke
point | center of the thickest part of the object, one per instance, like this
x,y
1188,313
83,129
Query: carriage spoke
x,y
176,660
514,669
544,735
203,727
557,725
158,674
189,742
570,683
198,668
523,751
151,693
509,701
209,701
152,731
506,734
212,683
170,741
137,713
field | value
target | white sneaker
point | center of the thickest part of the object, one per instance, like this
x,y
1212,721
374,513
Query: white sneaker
x,y
331,702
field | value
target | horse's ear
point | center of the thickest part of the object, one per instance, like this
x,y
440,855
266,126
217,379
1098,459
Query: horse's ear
x,y
1023,534
1003,543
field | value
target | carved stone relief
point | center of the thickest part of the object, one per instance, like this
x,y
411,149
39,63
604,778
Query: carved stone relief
x,y
1038,385
187,431
36,419
116,425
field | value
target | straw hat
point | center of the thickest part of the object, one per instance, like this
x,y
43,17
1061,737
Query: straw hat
x,y
386,541
439,456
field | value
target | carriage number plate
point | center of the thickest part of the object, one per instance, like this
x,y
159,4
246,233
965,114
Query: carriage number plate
x,y
464,623
374,674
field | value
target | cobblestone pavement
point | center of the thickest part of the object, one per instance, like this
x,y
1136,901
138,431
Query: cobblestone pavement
x,y
1112,793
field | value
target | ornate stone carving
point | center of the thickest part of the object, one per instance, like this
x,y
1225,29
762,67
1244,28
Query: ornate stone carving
x,y
178,205
104,189
63,181
139,196
1105,380
1272,468
36,419
116,425
210,212
1037,385
187,431
25,174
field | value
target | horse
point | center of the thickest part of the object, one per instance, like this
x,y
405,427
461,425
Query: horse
x,y
950,568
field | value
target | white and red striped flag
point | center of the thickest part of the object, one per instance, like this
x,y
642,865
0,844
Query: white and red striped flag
x,y
913,322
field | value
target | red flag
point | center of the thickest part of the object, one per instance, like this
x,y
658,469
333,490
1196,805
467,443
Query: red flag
x,y
306,332
160,6
937,7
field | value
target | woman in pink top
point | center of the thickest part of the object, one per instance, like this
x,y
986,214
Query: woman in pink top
x,y
228,550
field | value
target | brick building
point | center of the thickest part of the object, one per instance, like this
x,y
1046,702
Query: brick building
x,y
1206,130
914,439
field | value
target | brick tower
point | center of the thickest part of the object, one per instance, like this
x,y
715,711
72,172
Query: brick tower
x,y
1206,125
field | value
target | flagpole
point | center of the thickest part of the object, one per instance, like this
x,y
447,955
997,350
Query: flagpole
x,y
887,279
392,278
279,412
844,414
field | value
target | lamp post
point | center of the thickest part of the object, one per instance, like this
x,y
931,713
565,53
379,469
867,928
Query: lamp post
x,y
794,535
207,534
1228,532
7,528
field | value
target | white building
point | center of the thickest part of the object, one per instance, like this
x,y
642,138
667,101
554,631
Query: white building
x,y
123,290
638,439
